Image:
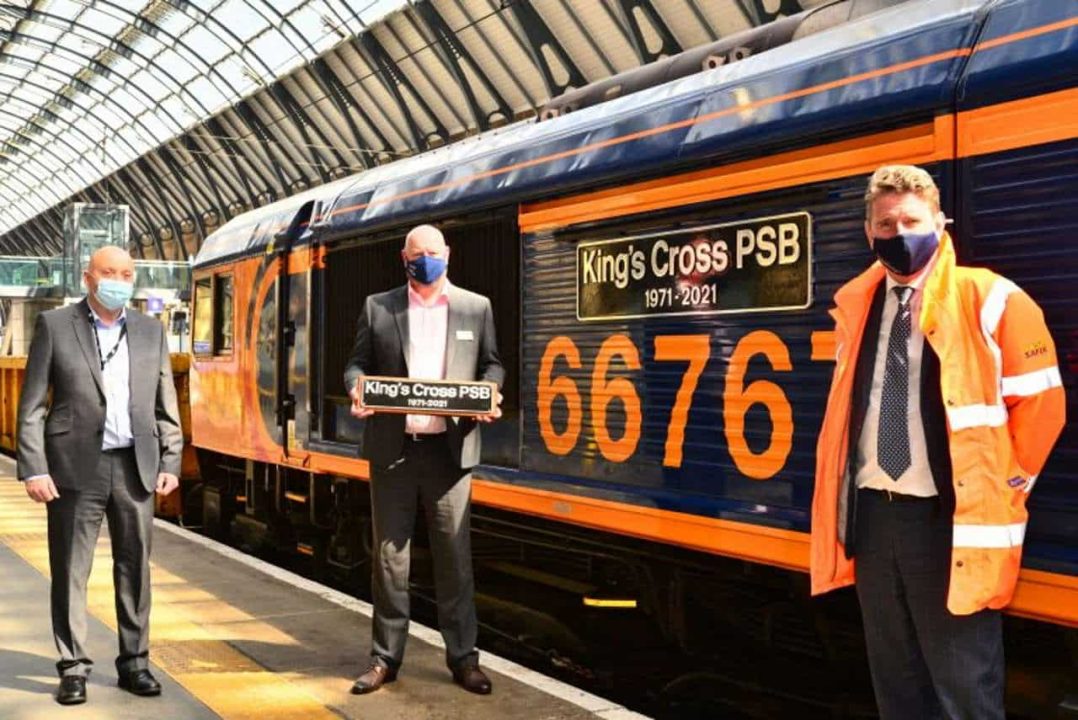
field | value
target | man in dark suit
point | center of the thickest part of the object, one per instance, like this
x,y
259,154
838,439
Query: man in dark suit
x,y
938,422
427,329
107,440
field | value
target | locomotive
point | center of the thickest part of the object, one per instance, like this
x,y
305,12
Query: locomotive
x,y
660,267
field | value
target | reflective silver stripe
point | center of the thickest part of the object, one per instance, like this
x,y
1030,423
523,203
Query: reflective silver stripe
x,y
989,536
1030,483
1031,383
994,305
969,416
991,313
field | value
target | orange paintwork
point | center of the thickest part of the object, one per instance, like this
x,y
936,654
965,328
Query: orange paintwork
x,y
920,144
737,399
621,388
1021,123
696,351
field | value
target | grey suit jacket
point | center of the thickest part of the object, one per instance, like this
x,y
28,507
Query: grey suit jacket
x,y
381,339
63,438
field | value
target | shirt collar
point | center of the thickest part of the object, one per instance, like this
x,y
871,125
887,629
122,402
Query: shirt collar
x,y
918,281
415,299
101,323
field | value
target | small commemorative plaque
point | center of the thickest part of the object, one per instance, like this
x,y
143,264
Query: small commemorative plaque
x,y
428,397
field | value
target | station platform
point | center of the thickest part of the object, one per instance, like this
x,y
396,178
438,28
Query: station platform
x,y
233,637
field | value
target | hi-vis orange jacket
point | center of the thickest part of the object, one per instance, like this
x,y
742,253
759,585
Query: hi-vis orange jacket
x,y
1004,400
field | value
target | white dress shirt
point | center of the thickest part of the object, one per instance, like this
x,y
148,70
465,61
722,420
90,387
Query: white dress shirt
x,y
116,377
917,480
428,325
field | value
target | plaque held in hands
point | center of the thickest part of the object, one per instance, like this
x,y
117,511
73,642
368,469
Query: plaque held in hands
x,y
428,397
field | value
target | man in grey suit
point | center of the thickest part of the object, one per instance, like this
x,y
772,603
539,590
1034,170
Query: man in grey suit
x,y
426,329
109,438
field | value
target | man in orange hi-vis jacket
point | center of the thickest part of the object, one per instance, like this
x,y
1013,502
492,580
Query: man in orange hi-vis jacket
x,y
945,403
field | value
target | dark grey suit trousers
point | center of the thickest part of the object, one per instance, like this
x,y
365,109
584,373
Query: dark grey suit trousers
x,y
113,491
926,663
425,474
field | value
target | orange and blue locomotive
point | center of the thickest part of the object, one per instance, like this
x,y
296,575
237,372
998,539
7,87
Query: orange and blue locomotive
x,y
661,266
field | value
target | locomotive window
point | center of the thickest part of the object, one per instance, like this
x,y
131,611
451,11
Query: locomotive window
x,y
222,315
202,331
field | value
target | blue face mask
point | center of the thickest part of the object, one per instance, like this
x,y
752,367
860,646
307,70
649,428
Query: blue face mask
x,y
906,253
113,294
426,269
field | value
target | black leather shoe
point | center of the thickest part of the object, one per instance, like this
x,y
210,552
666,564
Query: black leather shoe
x,y
72,690
373,678
472,679
139,682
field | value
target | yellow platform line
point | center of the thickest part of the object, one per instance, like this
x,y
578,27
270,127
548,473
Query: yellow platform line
x,y
185,621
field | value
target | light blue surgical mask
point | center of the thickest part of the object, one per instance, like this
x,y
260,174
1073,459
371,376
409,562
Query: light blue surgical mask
x,y
113,294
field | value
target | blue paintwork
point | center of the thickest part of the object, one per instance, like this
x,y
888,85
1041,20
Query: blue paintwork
x,y
708,482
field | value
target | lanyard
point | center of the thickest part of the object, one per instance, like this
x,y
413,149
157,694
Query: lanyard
x,y
97,341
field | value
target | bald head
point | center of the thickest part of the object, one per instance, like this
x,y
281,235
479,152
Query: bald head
x,y
111,258
424,240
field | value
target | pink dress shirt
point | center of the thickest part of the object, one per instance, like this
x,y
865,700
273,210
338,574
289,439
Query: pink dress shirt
x,y
428,324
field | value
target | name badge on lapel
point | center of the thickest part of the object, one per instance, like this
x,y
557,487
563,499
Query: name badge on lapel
x,y
465,335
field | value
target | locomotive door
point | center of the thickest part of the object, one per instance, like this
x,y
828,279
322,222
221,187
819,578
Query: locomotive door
x,y
293,295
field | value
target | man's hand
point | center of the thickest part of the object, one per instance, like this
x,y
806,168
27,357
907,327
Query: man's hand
x,y
358,411
42,489
166,483
494,415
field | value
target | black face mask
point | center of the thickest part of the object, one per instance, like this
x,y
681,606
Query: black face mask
x,y
906,253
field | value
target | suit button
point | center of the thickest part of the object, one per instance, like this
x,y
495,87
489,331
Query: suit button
x,y
950,401
960,563
961,483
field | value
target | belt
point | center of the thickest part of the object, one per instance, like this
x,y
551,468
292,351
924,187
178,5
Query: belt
x,y
899,497
424,437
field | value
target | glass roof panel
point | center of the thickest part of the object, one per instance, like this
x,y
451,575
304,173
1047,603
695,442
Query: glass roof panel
x,y
130,5
47,32
175,22
240,18
98,22
179,67
207,93
61,65
150,85
67,9
204,42
276,50
32,53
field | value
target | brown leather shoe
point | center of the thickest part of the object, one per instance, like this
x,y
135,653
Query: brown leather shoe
x,y
472,679
373,678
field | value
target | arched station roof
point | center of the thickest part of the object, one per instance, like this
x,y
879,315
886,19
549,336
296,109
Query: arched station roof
x,y
194,111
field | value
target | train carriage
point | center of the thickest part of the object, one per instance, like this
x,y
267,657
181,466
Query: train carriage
x,y
661,267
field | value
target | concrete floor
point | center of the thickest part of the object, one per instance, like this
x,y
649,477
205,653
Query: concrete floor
x,y
233,638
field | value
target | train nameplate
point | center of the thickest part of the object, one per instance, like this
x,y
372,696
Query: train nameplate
x,y
428,397
754,265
